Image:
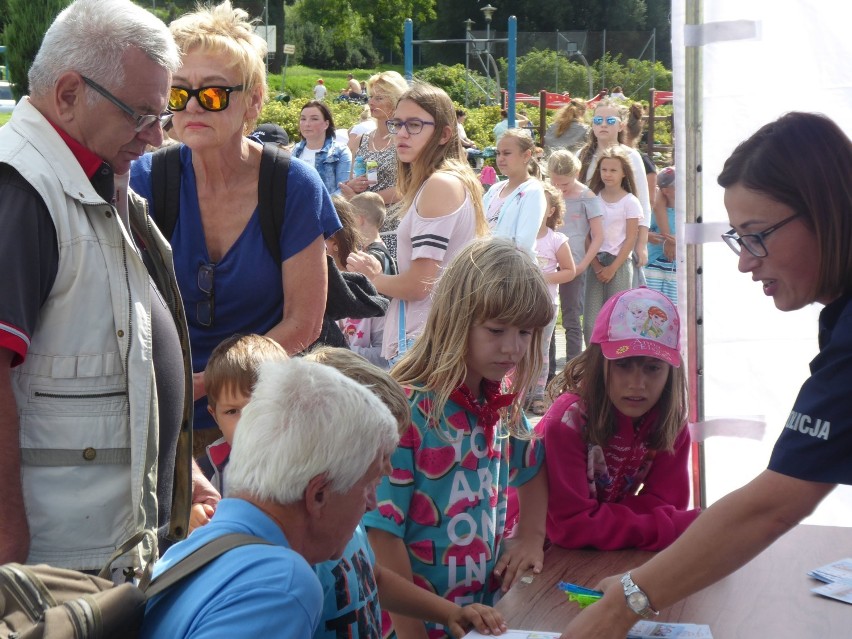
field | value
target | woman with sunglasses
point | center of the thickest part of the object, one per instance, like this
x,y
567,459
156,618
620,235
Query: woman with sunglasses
x,y
788,192
229,281
608,130
320,148
442,200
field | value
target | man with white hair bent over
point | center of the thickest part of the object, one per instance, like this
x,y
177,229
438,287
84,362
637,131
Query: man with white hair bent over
x,y
310,449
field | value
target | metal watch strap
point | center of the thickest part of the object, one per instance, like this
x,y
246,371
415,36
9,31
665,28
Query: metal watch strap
x,y
630,588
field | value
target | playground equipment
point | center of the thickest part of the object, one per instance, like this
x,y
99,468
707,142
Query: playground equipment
x,y
512,58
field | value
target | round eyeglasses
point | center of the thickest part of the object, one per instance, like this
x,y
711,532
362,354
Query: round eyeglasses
x,y
141,121
412,126
210,98
754,242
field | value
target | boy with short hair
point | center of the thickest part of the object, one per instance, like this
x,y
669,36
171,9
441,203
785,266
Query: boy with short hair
x,y
365,335
353,585
229,377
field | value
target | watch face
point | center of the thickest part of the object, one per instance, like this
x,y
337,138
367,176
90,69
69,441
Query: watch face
x,y
637,601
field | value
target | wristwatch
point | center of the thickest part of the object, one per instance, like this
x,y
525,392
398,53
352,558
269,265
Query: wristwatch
x,y
636,598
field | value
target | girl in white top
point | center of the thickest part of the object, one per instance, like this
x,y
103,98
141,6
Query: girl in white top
x,y
557,265
608,123
442,200
613,270
515,208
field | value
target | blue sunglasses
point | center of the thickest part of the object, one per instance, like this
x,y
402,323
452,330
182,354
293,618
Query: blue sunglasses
x,y
610,120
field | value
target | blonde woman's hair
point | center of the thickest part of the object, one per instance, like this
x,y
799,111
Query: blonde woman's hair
x,y
223,29
586,375
389,82
555,215
587,153
628,182
368,375
567,115
490,280
449,157
235,364
526,143
563,162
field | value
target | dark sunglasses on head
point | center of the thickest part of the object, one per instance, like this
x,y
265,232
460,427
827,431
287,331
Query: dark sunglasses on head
x,y
210,98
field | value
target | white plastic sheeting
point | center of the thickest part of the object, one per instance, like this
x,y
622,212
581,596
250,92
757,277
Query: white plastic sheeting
x,y
760,58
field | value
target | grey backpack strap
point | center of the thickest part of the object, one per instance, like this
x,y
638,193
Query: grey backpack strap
x,y
197,560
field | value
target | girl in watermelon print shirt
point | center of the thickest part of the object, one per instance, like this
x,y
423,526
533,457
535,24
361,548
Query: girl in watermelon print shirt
x,y
441,512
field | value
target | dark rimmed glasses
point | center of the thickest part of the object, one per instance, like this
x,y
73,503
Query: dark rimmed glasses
x,y
210,98
754,242
205,308
412,126
142,121
610,120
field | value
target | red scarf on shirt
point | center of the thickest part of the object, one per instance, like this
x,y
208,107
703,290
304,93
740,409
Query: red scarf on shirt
x,y
488,412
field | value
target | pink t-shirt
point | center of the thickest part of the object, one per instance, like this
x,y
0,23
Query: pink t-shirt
x,y
434,238
545,249
615,219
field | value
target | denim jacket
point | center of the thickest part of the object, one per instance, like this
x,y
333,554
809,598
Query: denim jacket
x,y
333,162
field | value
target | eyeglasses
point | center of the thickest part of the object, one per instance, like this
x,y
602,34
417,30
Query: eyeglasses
x,y
610,120
204,309
210,98
142,121
753,242
379,96
412,126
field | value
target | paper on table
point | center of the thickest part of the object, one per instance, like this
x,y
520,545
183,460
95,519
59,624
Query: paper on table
x,y
835,571
652,629
840,590
515,634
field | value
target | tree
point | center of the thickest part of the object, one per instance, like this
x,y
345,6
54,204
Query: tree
x,y
27,23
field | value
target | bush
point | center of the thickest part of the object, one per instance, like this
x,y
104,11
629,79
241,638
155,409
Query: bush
x,y
286,115
27,23
454,81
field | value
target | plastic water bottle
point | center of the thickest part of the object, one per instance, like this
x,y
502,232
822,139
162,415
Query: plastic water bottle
x,y
359,167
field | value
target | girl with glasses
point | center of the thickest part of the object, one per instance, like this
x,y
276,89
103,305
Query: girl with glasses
x,y
229,281
796,168
608,131
442,204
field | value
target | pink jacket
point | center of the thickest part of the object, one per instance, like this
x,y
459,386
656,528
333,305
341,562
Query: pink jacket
x,y
624,495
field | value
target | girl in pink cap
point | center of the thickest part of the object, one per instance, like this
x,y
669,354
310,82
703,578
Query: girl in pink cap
x,y
615,438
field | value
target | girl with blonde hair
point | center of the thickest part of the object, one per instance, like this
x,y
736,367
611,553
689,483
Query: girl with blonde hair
x,y
568,130
490,308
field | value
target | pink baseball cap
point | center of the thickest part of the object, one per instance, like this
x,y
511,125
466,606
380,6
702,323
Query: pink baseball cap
x,y
639,322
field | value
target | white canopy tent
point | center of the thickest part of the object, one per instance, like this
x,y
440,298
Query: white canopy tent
x,y
738,65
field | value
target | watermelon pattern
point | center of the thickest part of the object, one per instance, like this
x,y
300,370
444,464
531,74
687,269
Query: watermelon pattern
x,y
446,499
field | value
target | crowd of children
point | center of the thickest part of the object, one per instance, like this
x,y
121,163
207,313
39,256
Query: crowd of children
x,y
473,493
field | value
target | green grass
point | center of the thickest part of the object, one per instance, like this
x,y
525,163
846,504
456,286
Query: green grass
x,y
4,118
300,80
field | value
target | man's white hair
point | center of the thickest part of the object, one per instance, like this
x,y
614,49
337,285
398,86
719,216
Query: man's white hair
x,y
305,419
91,36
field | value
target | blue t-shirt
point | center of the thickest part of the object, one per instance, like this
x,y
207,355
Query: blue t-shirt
x,y
816,444
250,591
351,598
655,251
248,294
446,499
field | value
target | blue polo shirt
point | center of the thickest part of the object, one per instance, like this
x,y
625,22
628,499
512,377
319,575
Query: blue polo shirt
x,y
816,444
250,591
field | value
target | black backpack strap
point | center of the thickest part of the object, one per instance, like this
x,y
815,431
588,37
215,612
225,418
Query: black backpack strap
x,y
197,560
165,188
272,196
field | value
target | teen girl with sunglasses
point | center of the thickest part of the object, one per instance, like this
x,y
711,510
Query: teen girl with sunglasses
x,y
229,281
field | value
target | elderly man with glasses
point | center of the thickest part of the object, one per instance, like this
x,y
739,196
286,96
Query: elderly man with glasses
x,y
95,384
